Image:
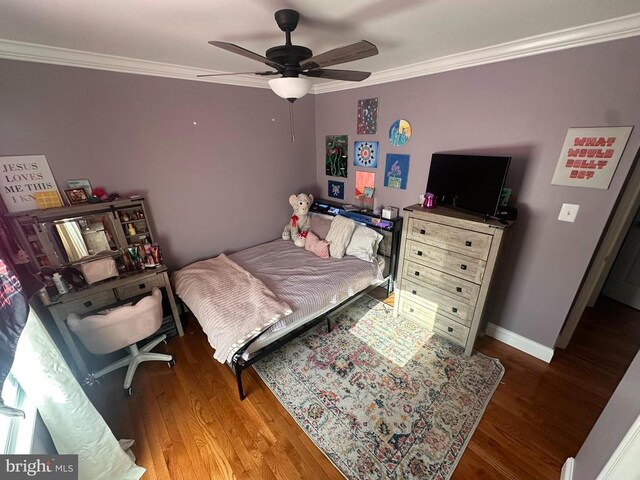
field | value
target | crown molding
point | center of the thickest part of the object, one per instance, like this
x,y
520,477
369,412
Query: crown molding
x,y
607,30
31,52
604,31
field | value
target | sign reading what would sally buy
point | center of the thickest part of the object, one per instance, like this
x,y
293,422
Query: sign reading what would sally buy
x,y
21,177
589,156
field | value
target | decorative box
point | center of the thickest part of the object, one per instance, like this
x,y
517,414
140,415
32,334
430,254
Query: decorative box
x,y
389,212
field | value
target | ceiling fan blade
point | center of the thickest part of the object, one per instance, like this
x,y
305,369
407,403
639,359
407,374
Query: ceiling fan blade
x,y
263,74
233,48
348,53
349,75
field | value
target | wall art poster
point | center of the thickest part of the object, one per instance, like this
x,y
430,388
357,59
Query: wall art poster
x,y
367,116
365,154
21,177
337,153
364,181
396,171
589,156
400,132
336,189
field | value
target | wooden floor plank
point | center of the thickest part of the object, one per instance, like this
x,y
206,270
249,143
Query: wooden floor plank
x,y
188,422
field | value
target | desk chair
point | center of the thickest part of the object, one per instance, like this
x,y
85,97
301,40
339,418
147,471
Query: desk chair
x,y
120,328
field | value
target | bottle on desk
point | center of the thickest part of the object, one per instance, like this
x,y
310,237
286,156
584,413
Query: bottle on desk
x,y
60,284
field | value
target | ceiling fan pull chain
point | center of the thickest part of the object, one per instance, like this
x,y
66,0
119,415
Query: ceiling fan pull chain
x,y
293,133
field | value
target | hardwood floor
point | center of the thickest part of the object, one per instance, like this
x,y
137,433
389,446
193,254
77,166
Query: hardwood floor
x,y
189,424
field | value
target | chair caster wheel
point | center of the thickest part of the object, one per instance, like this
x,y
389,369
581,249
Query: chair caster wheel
x,y
128,392
171,362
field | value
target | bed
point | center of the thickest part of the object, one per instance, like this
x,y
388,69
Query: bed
x,y
312,288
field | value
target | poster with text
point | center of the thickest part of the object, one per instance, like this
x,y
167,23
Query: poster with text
x,y
589,156
21,177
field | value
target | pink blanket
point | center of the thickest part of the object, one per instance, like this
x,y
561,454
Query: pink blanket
x,y
229,301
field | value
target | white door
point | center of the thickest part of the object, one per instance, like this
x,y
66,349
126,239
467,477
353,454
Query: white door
x,y
623,283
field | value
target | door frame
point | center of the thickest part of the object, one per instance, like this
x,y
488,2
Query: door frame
x,y
619,223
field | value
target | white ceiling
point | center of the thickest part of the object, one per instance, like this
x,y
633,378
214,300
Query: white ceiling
x,y
414,37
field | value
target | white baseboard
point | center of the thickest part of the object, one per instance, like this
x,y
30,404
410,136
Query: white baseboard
x,y
567,470
521,343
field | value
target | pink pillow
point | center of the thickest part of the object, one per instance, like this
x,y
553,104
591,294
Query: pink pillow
x,y
320,224
317,246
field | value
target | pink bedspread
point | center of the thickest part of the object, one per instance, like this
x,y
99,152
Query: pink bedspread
x,y
231,304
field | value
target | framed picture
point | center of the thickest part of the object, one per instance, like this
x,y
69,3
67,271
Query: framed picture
x,y
76,195
80,183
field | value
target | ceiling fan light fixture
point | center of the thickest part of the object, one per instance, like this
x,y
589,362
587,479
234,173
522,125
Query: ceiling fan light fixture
x,y
290,88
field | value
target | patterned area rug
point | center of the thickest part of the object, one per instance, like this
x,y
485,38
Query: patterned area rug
x,y
380,396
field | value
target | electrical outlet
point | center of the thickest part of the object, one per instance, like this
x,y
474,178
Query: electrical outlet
x,y
568,212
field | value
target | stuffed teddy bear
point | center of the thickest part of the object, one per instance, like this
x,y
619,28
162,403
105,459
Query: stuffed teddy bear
x,y
300,222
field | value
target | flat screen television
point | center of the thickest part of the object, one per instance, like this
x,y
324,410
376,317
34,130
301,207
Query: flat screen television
x,y
470,182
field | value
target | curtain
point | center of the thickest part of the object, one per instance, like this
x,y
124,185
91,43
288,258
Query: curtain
x,y
13,313
75,425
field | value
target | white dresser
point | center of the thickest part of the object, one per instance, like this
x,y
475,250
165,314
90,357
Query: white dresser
x,y
447,259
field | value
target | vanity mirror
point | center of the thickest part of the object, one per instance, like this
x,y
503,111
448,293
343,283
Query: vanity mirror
x,y
70,236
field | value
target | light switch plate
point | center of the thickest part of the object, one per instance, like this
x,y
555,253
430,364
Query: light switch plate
x,y
568,212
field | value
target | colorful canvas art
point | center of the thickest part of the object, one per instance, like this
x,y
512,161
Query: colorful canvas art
x,y
365,154
400,132
337,152
336,189
367,116
364,181
396,171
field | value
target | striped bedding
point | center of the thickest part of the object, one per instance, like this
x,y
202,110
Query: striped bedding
x,y
302,280
235,318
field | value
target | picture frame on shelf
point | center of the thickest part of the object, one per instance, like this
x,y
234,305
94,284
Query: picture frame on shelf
x,y
80,183
76,196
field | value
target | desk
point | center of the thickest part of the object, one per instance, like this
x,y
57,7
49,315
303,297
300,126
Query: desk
x,y
103,295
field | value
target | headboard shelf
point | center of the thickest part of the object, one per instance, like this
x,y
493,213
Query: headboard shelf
x,y
390,229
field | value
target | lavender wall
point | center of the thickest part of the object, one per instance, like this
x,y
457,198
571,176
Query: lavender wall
x,y
521,108
220,184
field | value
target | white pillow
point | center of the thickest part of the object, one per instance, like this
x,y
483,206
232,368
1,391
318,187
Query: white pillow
x,y
339,235
364,243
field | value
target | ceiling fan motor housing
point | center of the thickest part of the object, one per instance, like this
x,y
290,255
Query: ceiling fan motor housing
x,y
290,56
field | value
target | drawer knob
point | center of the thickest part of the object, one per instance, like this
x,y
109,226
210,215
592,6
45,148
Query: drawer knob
x,y
417,274
454,309
459,289
467,243
411,310
419,252
88,303
422,231
142,286
414,292
449,329
463,266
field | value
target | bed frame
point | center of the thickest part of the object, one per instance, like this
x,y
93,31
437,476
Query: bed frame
x,y
390,228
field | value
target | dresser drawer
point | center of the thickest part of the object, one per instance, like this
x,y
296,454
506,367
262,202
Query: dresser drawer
x,y
139,288
417,312
452,330
86,304
438,302
472,244
449,284
449,262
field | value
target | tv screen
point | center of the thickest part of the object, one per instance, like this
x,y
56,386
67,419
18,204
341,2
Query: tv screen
x,y
471,182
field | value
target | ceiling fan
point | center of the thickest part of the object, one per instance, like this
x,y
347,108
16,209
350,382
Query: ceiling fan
x,y
290,61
